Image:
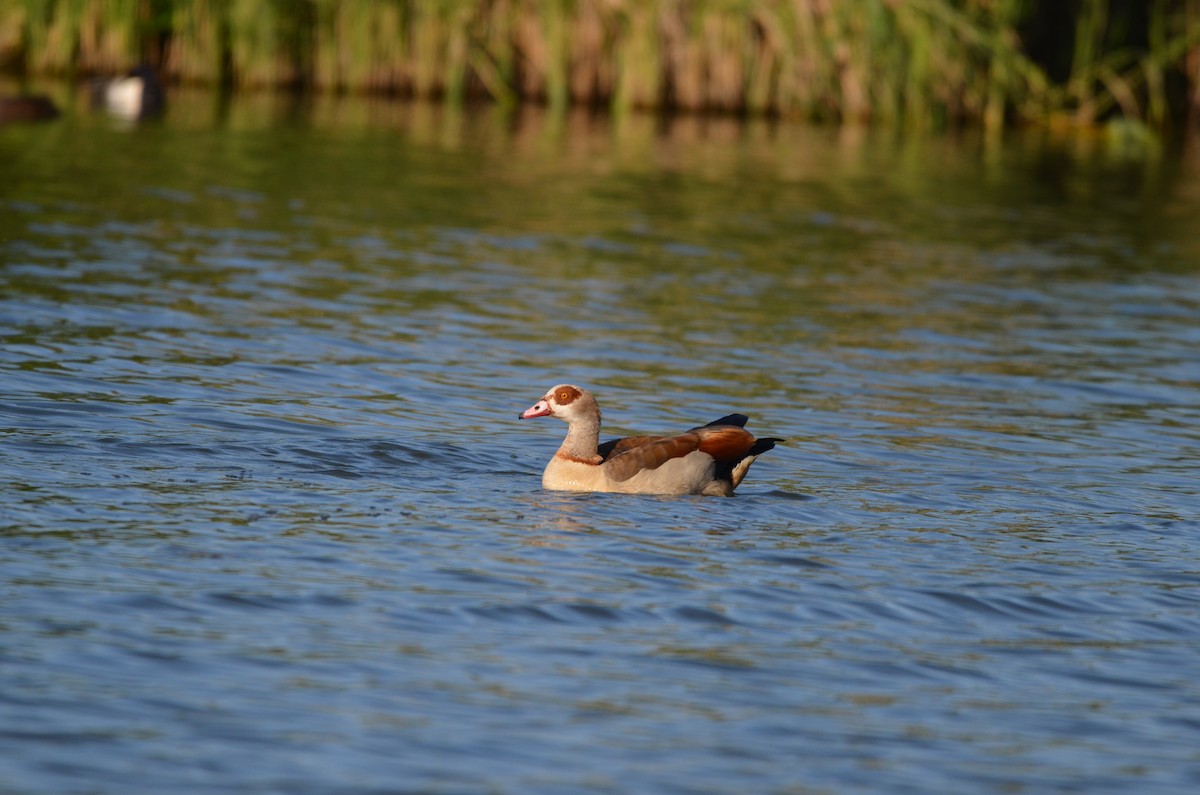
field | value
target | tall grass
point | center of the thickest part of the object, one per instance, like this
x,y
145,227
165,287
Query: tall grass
x,y
917,62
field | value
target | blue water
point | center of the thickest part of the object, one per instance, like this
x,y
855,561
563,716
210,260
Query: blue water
x,y
269,524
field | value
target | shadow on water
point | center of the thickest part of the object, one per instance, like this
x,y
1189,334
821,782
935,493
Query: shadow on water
x,y
264,498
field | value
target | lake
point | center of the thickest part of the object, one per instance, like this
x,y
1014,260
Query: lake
x,y
270,525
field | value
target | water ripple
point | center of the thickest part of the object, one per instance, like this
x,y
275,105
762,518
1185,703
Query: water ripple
x,y
270,524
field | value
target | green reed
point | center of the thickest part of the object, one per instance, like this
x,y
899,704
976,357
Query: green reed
x,y
917,62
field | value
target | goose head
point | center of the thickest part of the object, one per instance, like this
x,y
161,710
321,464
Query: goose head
x,y
568,402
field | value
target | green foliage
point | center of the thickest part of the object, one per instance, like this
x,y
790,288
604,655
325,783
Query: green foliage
x,y
916,62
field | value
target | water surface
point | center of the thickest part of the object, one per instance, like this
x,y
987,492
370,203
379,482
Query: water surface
x,y
269,523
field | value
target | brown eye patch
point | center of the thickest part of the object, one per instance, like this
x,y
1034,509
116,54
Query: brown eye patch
x,y
566,395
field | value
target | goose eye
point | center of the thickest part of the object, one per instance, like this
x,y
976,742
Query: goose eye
x,y
564,396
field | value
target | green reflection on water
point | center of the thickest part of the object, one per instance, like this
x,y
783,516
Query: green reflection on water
x,y
690,240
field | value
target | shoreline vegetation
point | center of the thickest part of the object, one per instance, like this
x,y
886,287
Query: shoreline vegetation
x,y
989,63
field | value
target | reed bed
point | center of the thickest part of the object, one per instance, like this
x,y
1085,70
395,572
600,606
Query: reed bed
x,y
919,62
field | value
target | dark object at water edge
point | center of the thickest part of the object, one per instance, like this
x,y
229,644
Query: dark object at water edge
x,y
26,108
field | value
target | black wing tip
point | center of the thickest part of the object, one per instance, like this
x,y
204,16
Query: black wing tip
x,y
763,445
739,420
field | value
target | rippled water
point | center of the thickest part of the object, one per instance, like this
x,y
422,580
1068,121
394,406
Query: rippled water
x,y
269,523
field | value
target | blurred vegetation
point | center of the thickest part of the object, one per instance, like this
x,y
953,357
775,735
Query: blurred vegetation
x,y
920,62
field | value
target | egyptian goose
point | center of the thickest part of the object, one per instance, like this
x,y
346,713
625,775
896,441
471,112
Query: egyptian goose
x,y
712,459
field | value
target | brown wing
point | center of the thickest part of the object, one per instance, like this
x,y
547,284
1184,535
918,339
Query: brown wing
x,y
614,447
617,446
649,454
725,443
